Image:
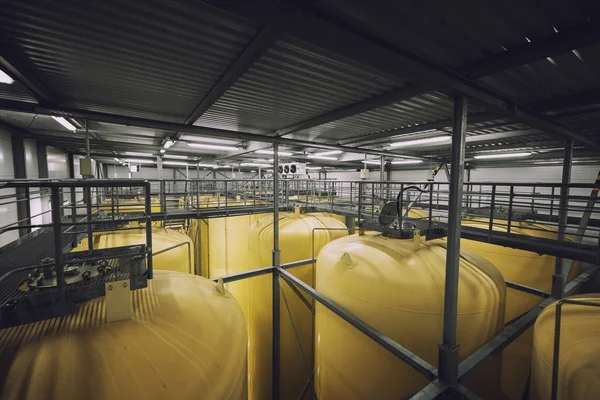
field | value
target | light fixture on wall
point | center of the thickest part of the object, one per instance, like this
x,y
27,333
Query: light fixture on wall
x,y
202,165
65,123
213,147
504,155
407,162
373,162
5,78
416,142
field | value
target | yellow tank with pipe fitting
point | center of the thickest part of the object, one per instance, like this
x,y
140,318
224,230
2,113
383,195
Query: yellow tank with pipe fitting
x,y
301,236
397,287
186,340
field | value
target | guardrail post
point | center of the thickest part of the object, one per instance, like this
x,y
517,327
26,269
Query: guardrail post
x,y
58,246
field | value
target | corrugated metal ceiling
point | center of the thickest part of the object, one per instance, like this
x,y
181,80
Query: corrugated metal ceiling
x,y
157,60
290,84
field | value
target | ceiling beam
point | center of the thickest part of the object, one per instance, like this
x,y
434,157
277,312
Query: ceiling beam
x,y
257,47
380,55
383,137
199,131
561,103
16,63
372,103
557,43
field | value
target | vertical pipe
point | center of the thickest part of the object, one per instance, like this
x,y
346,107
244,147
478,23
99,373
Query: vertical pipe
x,y
558,278
510,207
87,192
148,212
276,263
73,200
58,247
491,227
448,354
381,178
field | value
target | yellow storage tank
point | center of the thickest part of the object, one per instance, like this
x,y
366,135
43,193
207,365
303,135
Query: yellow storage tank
x,y
223,245
526,268
400,292
579,353
186,340
179,257
296,243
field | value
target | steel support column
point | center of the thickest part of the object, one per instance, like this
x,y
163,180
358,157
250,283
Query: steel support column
x,y
159,167
276,264
558,279
20,172
448,352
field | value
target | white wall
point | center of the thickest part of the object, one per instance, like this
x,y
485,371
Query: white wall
x,y
36,205
8,212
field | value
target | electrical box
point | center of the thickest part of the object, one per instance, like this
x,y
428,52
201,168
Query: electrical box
x,y
85,167
430,176
134,168
364,173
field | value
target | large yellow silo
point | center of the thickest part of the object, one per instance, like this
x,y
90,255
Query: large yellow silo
x,y
579,352
399,291
296,232
179,258
186,340
526,268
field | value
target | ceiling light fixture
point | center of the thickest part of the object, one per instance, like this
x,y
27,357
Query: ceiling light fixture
x,y
65,123
256,165
5,78
280,153
176,156
505,155
417,142
138,161
168,143
328,153
162,150
177,163
373,162
314,168
207,165
321,157
406,162
213,146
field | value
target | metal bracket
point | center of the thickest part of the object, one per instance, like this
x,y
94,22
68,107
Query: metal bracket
x,y
118,300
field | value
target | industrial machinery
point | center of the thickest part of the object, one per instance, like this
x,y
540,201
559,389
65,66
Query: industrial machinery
x,y
292,170
396,286
567,363
171,250
301,236
187,336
